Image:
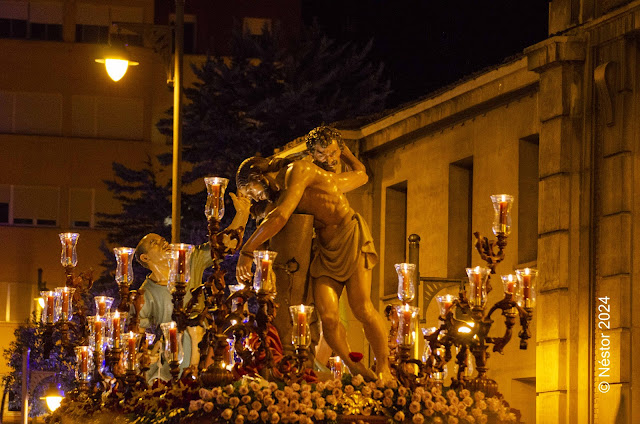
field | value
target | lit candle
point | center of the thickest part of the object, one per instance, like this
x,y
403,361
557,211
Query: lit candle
x,y
97,331
336,367
182,263
448,302
124,266
302,326
406,281
131,357
510,284
215,199
84,361
265,266
102,306
115,322
50,306
68,246
173,340
477,278
65,304
406,324
503,206
526,287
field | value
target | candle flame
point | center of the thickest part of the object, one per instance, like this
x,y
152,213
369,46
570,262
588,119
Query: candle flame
x,y
302,308
234,322
527,271
116,314
477,270
406,307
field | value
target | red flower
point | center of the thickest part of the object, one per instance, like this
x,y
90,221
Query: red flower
x,y
355,356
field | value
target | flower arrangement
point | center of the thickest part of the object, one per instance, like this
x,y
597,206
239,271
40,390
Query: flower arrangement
x,y
257,401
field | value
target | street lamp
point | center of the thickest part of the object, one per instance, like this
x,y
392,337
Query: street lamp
x,y
117,64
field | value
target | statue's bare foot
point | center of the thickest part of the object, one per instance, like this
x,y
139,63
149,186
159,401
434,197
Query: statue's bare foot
x,y
385,375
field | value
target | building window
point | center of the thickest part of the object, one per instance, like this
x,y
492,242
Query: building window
x,y
395,234
28,205
94,34
256,26
32,20
81,207
460,207
528,179
189,33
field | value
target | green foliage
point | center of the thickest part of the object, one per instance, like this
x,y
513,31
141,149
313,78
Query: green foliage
x,y
46,354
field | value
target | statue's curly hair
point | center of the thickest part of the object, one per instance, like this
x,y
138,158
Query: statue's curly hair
x,y
256,166
324,136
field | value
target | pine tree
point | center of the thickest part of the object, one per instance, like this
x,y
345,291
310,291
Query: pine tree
x,y
260,98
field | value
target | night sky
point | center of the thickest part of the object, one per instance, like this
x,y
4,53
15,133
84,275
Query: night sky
x,y
427,44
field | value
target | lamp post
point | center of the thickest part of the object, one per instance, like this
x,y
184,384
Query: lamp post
x,y
177,123
117,62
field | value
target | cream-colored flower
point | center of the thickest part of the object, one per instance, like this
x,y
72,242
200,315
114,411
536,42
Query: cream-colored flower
x,y
305,395
256,405
402,391
320,386
318,415
207,407
453,410
470,419
418,419
357,380
228,389
419,391
310,412
320,403
429,404
272,386
226,414
462,413
288,390
428,412
283,402
294,418
243,410
392,384
259,395
279,394
264,416
268,401
216,391
380,383
253,415
367,410
482,405
401,401
243,390
234,401
465,393
336,392
387,402
348,390
388,393
254,386
332,399
305,387
274,418
240,419
454,400
246,399
468,401
273,409
195,405
221,400
295,387
452,420
435,391
414,407
399,416
476,412
315,395
205,394
482,419
437,420
331,414
266,392
377,394
294,395
478,395
294,405
366,391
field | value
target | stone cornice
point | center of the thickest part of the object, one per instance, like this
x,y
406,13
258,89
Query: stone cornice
x,y
554,50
